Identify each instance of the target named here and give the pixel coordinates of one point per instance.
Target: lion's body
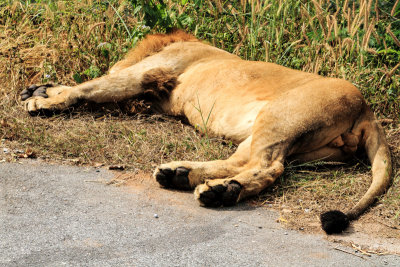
(272, 112)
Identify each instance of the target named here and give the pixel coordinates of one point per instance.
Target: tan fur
(272, 112)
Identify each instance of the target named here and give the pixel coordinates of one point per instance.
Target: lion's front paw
(35, 98)
(35, 90)
(46, 99)
(173, 178)
(218, 193)
(34, 105)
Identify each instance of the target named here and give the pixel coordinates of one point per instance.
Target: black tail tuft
(334, 221)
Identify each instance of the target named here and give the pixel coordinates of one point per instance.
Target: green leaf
(77, 78)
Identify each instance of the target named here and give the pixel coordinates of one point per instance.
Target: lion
(272, 112)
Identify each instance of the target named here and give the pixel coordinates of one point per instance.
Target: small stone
(5, 150)
(307, 210)
(285, 233)
(155, 215)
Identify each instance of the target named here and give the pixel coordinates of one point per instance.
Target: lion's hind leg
(227, 192)
(187, 175)
(248, 171)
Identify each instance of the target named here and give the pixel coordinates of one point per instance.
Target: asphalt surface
(54, 215)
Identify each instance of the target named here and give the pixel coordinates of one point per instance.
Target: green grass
(69, 42)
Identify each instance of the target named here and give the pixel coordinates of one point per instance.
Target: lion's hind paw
(169, 178)
(225, 194)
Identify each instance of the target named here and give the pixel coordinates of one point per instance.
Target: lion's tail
(374, 142)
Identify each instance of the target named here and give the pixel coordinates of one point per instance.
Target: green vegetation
(69, 42)
(355, 40)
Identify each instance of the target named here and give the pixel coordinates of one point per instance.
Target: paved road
(58, 215)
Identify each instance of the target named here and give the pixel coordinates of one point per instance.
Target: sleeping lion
(273, 113)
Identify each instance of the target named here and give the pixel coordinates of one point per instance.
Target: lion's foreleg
(110, 88)
(105, 89)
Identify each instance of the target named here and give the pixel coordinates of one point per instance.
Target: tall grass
(355, 40)
(71, 42)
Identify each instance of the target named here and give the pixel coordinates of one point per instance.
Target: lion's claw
(225, 194)
(173, 178)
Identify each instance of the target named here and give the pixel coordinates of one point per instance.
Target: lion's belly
(230, 117)
(236, 122)
(224, 97)
(232, 122)
(227, 110)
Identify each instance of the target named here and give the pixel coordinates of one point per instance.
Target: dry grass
(135, 142)
(70, 43)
